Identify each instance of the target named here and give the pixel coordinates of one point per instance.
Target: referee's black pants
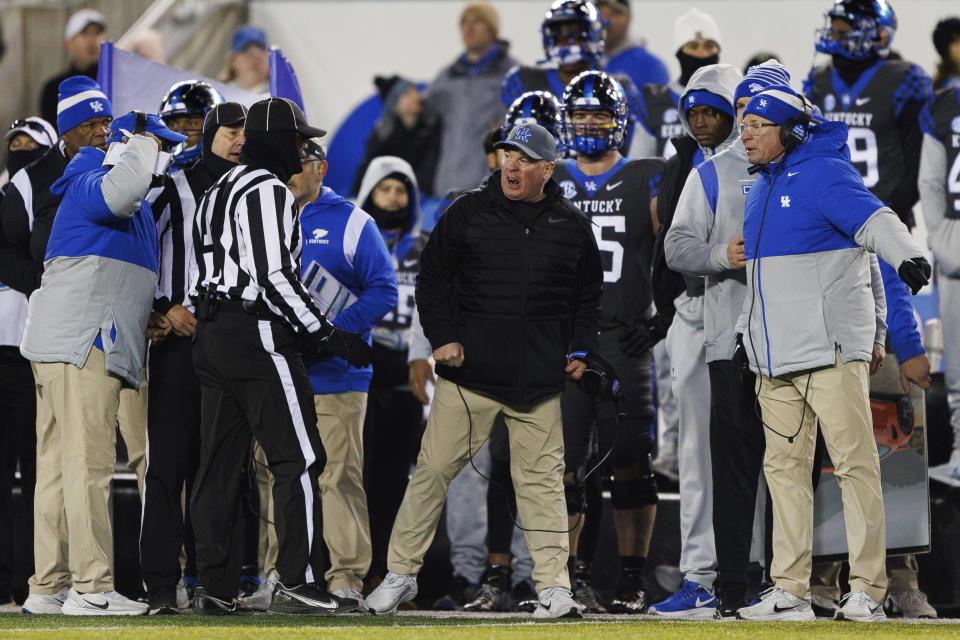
(736, 457)
(173, 454)
(254, 384)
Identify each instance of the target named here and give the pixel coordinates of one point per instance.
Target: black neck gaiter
(275, 151)
(689, 64)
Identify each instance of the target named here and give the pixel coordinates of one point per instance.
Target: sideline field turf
(449, 627)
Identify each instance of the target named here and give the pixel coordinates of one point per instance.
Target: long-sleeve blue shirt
(345, 241)
(901, 324)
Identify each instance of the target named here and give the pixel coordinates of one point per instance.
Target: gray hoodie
(721, 79)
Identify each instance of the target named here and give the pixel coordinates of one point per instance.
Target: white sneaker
(910, 604)
(777, 604)
(260, 599)
(352, 594)
(36, 603)
(859, 607)
(949, 472)
(105, 603)
(392, 592)
(183, 595)
(9, 607)
(557, 602)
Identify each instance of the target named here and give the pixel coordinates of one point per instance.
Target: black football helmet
(185, 98)
(594, 91)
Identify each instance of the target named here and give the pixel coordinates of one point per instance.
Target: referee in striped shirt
(254, 320)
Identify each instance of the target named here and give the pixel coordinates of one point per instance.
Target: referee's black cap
(225, 114)
(280, 114)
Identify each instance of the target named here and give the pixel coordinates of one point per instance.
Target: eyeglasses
(755, 127)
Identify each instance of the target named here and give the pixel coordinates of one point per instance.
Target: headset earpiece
(794, 130)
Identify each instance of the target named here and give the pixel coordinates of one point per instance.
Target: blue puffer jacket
(808, 225)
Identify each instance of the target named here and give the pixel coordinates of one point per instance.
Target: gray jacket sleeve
(884, 234)
(943, 234)
(687, 244)
(879, 300)
(129, 180)
(419, 345)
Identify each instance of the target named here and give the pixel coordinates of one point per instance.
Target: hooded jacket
(517, 284)
(722, 80)
(343, 247)
(101, 265)
(709, 216)
(391, 336)
(808, 225)
(467, 97)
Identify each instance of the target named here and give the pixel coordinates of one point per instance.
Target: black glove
(331, 341)
(741, 364)
(916, 273)
(641, 337)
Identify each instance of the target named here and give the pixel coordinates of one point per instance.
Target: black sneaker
(309, 598)
(630, 596)
(163, 601)
(460, 593)
(584, 593)
(494, 593)
(525, 597)
(205, 604)
(730, 599)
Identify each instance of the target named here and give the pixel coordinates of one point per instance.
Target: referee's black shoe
(205, 604)
(309, 598)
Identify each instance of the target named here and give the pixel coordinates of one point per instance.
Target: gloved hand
(331, 341)
(915, 272)
(741, 364)
(642, 336)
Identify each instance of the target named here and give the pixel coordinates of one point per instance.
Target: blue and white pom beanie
(80, 99)
(761, 76)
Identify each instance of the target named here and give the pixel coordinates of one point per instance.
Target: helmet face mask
(190, 97)
(872, 25)
(573, 31)
(594, 91)
(534, 107)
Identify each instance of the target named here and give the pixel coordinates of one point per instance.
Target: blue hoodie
(344, 240)
(808, 225)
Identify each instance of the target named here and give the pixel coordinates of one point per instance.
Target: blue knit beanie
(80, 99)
(761, 76)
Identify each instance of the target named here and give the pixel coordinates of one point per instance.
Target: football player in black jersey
(614, 192)
(573, 40)
(878, 98)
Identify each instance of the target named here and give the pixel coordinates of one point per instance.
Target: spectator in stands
(27, 140)
(946, 40)
(83, 35)
(466, 95)
(625, 55)
(407, 129)
(248, 63)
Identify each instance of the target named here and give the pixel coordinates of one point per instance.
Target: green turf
(454, 628)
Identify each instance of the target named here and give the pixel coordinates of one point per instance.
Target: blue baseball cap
(245, 35)
(128, 121)
(777, 103)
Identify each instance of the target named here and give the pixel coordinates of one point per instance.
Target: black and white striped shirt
(247, 245)
(174, 210)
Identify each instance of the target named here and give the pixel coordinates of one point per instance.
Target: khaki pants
(76, 452)
(839, 397)
(346, 525)
(901, 571)
(536, 463)
(267, 545)
(132, 420)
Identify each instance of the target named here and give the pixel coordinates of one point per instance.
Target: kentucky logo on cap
(755, 87)
(763, 103)
(522, 134)
(692, 99)
(97, 106)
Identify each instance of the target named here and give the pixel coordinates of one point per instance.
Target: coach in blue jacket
(86, 339)
(347, 268)
(808, 327)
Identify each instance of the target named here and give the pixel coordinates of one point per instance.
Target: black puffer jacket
(517, 284)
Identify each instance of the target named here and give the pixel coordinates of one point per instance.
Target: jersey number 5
(619, 225)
